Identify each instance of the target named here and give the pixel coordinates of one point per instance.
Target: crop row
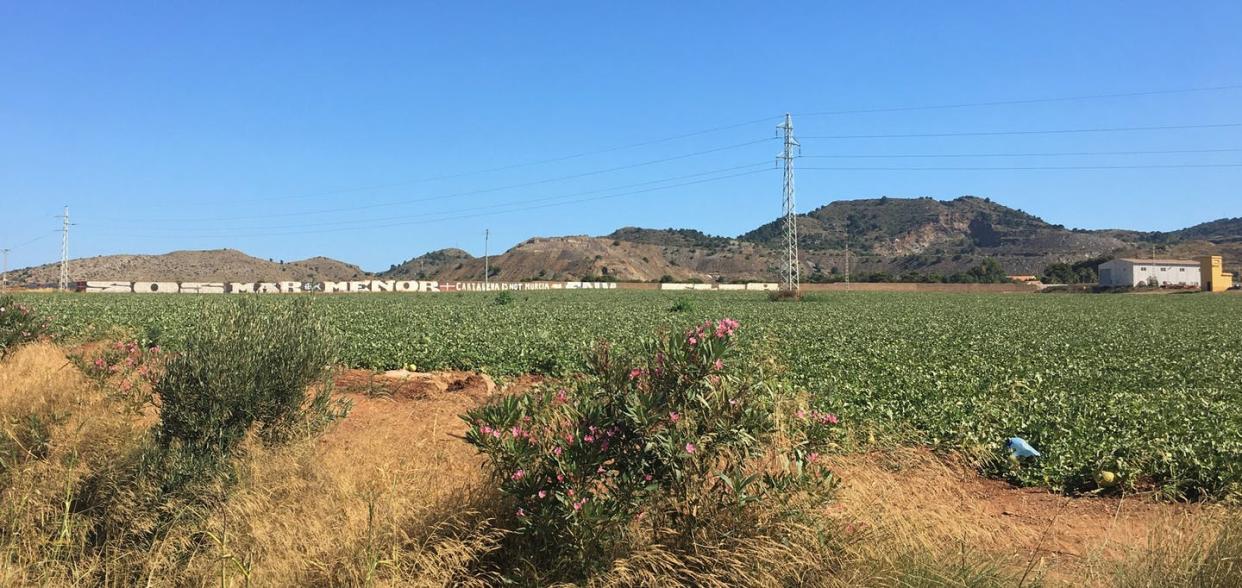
(1149, 387)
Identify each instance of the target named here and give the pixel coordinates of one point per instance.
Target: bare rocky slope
(192, 266)
(897, 236)
(891, 235)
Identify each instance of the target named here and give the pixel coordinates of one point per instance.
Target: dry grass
(57, 428)
(390, 496)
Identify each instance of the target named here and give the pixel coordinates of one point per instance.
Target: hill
(894, 236)
(192, 266)
(887, 238)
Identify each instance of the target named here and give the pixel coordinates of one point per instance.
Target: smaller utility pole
(486, 265)
(4, 270)
(847, 257)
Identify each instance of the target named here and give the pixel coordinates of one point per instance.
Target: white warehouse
(1142, 272)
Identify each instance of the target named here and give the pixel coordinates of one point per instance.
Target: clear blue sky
(296, 129)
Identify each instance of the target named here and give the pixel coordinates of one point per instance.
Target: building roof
(1160, 261)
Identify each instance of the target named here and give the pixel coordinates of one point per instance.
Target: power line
(364, 222)
(463, 216)
(1039, 132)
(1023, 101)
(408, 201)
(550, 160)
(1033, 154)
(1032, 167)
(34, 240)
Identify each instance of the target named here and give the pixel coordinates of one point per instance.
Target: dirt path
(919, 498)
(910, 496)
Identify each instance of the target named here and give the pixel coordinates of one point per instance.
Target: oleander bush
(18, 324)
(684, 440)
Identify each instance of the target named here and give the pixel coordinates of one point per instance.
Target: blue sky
(367, 132)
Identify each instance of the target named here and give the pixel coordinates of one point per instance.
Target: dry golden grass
(390, 496)
(57, 428)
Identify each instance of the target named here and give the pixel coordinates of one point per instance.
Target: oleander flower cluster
(685, 426)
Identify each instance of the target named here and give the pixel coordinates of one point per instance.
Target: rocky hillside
(192, 266)
(893, 235)
(574, 258)
(898, 236)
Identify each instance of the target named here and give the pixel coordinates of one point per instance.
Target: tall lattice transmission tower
(64, 250)
(790, 273)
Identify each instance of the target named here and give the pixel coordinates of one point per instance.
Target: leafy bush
(18, 324)
(504, 297)
(684, 436)
(246, 366)
(681, 305)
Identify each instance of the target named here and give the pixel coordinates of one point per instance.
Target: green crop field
(1146, 386)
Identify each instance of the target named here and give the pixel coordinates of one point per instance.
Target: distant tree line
(989, 271)
(1080, 272)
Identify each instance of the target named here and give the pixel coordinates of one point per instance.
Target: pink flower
(543, 494)
(521, 513)
(588, 438)
(561, 396)
(518, 475)
(813, 457)
(646, 477)
(578, 504)
(690, 448)
(673, 416)
(800, 414)
(561, 478)
(557, 450)
(126, 385)
(718, 365)
(99, 362)
(693, 341)
(636, 373)
(569, 492)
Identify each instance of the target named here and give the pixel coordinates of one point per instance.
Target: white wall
(1128, 273)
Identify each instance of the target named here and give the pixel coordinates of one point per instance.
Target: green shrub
(18, 325)
(682, 305)
(246, 366)
(682, 436)
(245, 369)
(504, 297)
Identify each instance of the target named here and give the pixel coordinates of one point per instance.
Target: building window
(1182, 269)
(1142, 269)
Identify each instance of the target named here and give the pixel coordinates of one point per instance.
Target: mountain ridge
(895, 237)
